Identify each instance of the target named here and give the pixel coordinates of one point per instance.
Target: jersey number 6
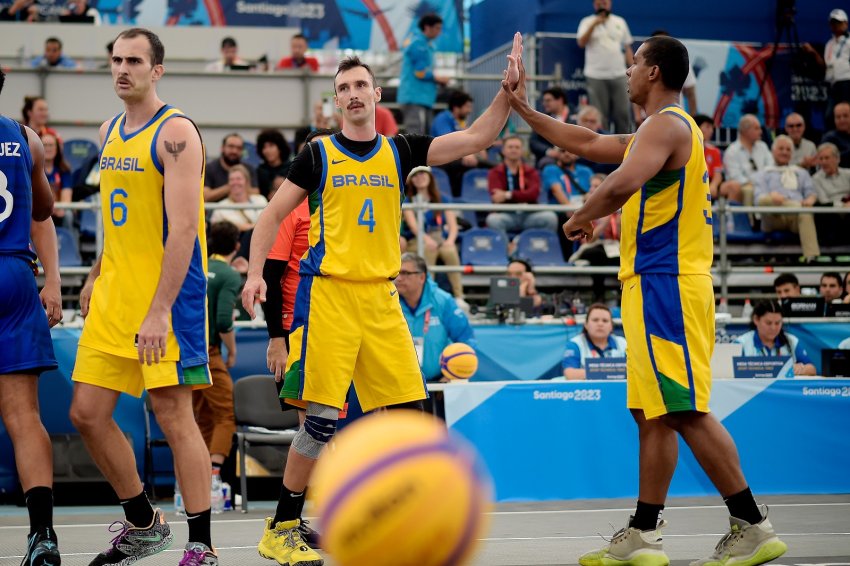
(117, 209)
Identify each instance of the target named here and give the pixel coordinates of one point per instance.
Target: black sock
(301, 503)
(40, 506)
(289, 505)
(742, 505)
(646, 516)
(199, 527)
(138, 510)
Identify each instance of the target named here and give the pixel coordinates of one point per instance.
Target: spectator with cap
(298, 58)
(787, 286)
(805, 151)
(417, 89)
(832, 184)
(713, 156)
(53, 57)
(229, 58)
(743, 159)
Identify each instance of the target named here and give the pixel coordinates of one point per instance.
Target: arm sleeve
(531, 192)
(226, 302)
(412, 151)
(457, 325)
(572, 357)
(627, 34)
(494, 179)
(306, 170)
(760, 187)
(273, 273)
(800, 354)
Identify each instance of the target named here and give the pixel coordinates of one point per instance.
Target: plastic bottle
(226, 495)
(179, 508)
(748, 310)
(216, 496)
(578, 305)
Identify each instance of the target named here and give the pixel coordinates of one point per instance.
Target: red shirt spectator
(713, 159)
(297, 56)
(522, 185)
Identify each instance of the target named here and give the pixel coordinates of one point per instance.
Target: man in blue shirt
(417, 90)
(565, 180)
(434, 319)
(454, 118)
(53, 57)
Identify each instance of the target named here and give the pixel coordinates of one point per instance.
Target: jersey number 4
(8, 198)
(367, 215)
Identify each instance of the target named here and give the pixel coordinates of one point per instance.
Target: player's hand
(516, 92)
(575, 231)
(152, 337)
(231, 359)
(254, 289)
(276, 357)
(512, 72)
(51, 299)
(85, 297)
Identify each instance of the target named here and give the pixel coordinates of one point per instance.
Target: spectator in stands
(784, 184)
(589, 117)
(608, 52)
(566, 181)
(521, 269)
(35, 114)
(745, 157)
(832, 184)
(433, 316)
(59, 176)
(554, 101)
(805, 151)
(603, 248)
(452, 120)
(846, 288)
(216, 179)
(229, 58)
(417, 89)
(440, 230)
(768, 339)
(53, 57)
(274, 153)
(831, 286)
(787, 286)
(840, 136)
(298, 56)
(514, 181)
(713, 157)
(596, 340)
(239, 192)
(213, 406)
(836, 61)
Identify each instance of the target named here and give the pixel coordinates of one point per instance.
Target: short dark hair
(350, 63)
(320, 132)
(417, 259)
(223, 238)
(271, 135)
(228, 42)
(231, 135)
(54, 39)
(2, 79)
(784, 279)
(556, 92)
(157, 48)
(299, 36)
(671, 56)
(701, 119)
(524, 262)
(458, 98)
(429, 20)
(833, 275)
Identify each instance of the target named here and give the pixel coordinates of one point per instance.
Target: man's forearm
(488, 126)
(229, 341)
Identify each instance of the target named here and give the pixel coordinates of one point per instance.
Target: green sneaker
(746, 544)
(630, 547)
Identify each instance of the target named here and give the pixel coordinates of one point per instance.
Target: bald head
(749, 128)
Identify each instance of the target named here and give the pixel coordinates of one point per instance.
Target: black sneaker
(133, 543)
(310, 536)
(42, 549)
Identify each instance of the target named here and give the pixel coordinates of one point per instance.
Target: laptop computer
(835, 363)
(722, 366)
(504, 291)
(838, 309)
(803, 306)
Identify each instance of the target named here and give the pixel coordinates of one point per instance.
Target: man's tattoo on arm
(624, 139)
(175, 148)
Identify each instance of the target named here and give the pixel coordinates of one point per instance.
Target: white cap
(420, 169)
(838, 14)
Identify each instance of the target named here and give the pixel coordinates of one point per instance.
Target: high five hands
(514, 81)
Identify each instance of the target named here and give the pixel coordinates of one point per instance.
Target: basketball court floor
(816, 528)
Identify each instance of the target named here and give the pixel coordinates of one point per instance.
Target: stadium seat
(539, 247)
(250, 156)
(69, 249)
(738, 228)
(443, 183)
(474, 187)
(77, 153)
(483, 246)
(88, 219)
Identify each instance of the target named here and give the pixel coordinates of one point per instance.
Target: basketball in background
(397, 489)
(458, 361)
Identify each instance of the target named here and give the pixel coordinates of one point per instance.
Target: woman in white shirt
(239, 181)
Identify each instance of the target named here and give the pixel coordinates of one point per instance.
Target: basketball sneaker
(310, 536)
(42, 549)
(283, 543)
(134, 543)
(630, 547)
(746, 544)
(198, 554)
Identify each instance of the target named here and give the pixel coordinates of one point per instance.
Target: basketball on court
(396, 488)
(458, 361)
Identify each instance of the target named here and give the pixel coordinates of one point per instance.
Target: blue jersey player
(25, 196)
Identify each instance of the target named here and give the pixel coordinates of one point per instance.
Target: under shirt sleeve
(306, 169)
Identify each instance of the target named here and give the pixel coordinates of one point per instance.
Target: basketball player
(666, 252)
(348, 322)
(145, 303)
(25, 197)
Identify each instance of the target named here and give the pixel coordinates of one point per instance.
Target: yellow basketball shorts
(127, 375)
(669, 325)
(344, 331)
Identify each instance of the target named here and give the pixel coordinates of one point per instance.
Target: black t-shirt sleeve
(306, 169)
(412, 151)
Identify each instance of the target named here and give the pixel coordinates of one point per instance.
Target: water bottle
(578, 305)
(747, 313)
(179, 507)
(216, 498)
(226, 496)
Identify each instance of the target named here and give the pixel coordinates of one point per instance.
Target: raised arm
(486, 128)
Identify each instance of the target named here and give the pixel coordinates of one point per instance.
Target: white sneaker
(746, 544)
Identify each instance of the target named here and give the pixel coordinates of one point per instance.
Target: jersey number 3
(367, 215)
(8, 199)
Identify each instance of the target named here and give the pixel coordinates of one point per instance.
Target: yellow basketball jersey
(135, 228)
(666, 225)
(355, 214)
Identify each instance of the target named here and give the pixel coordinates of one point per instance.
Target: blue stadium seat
(250, 156)
(69, 249)
(483, 246)
(88, 219)
(738, 228)
(443, 183)
(494, 154)
(77, 153)
(540, 247)
(474, 187)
